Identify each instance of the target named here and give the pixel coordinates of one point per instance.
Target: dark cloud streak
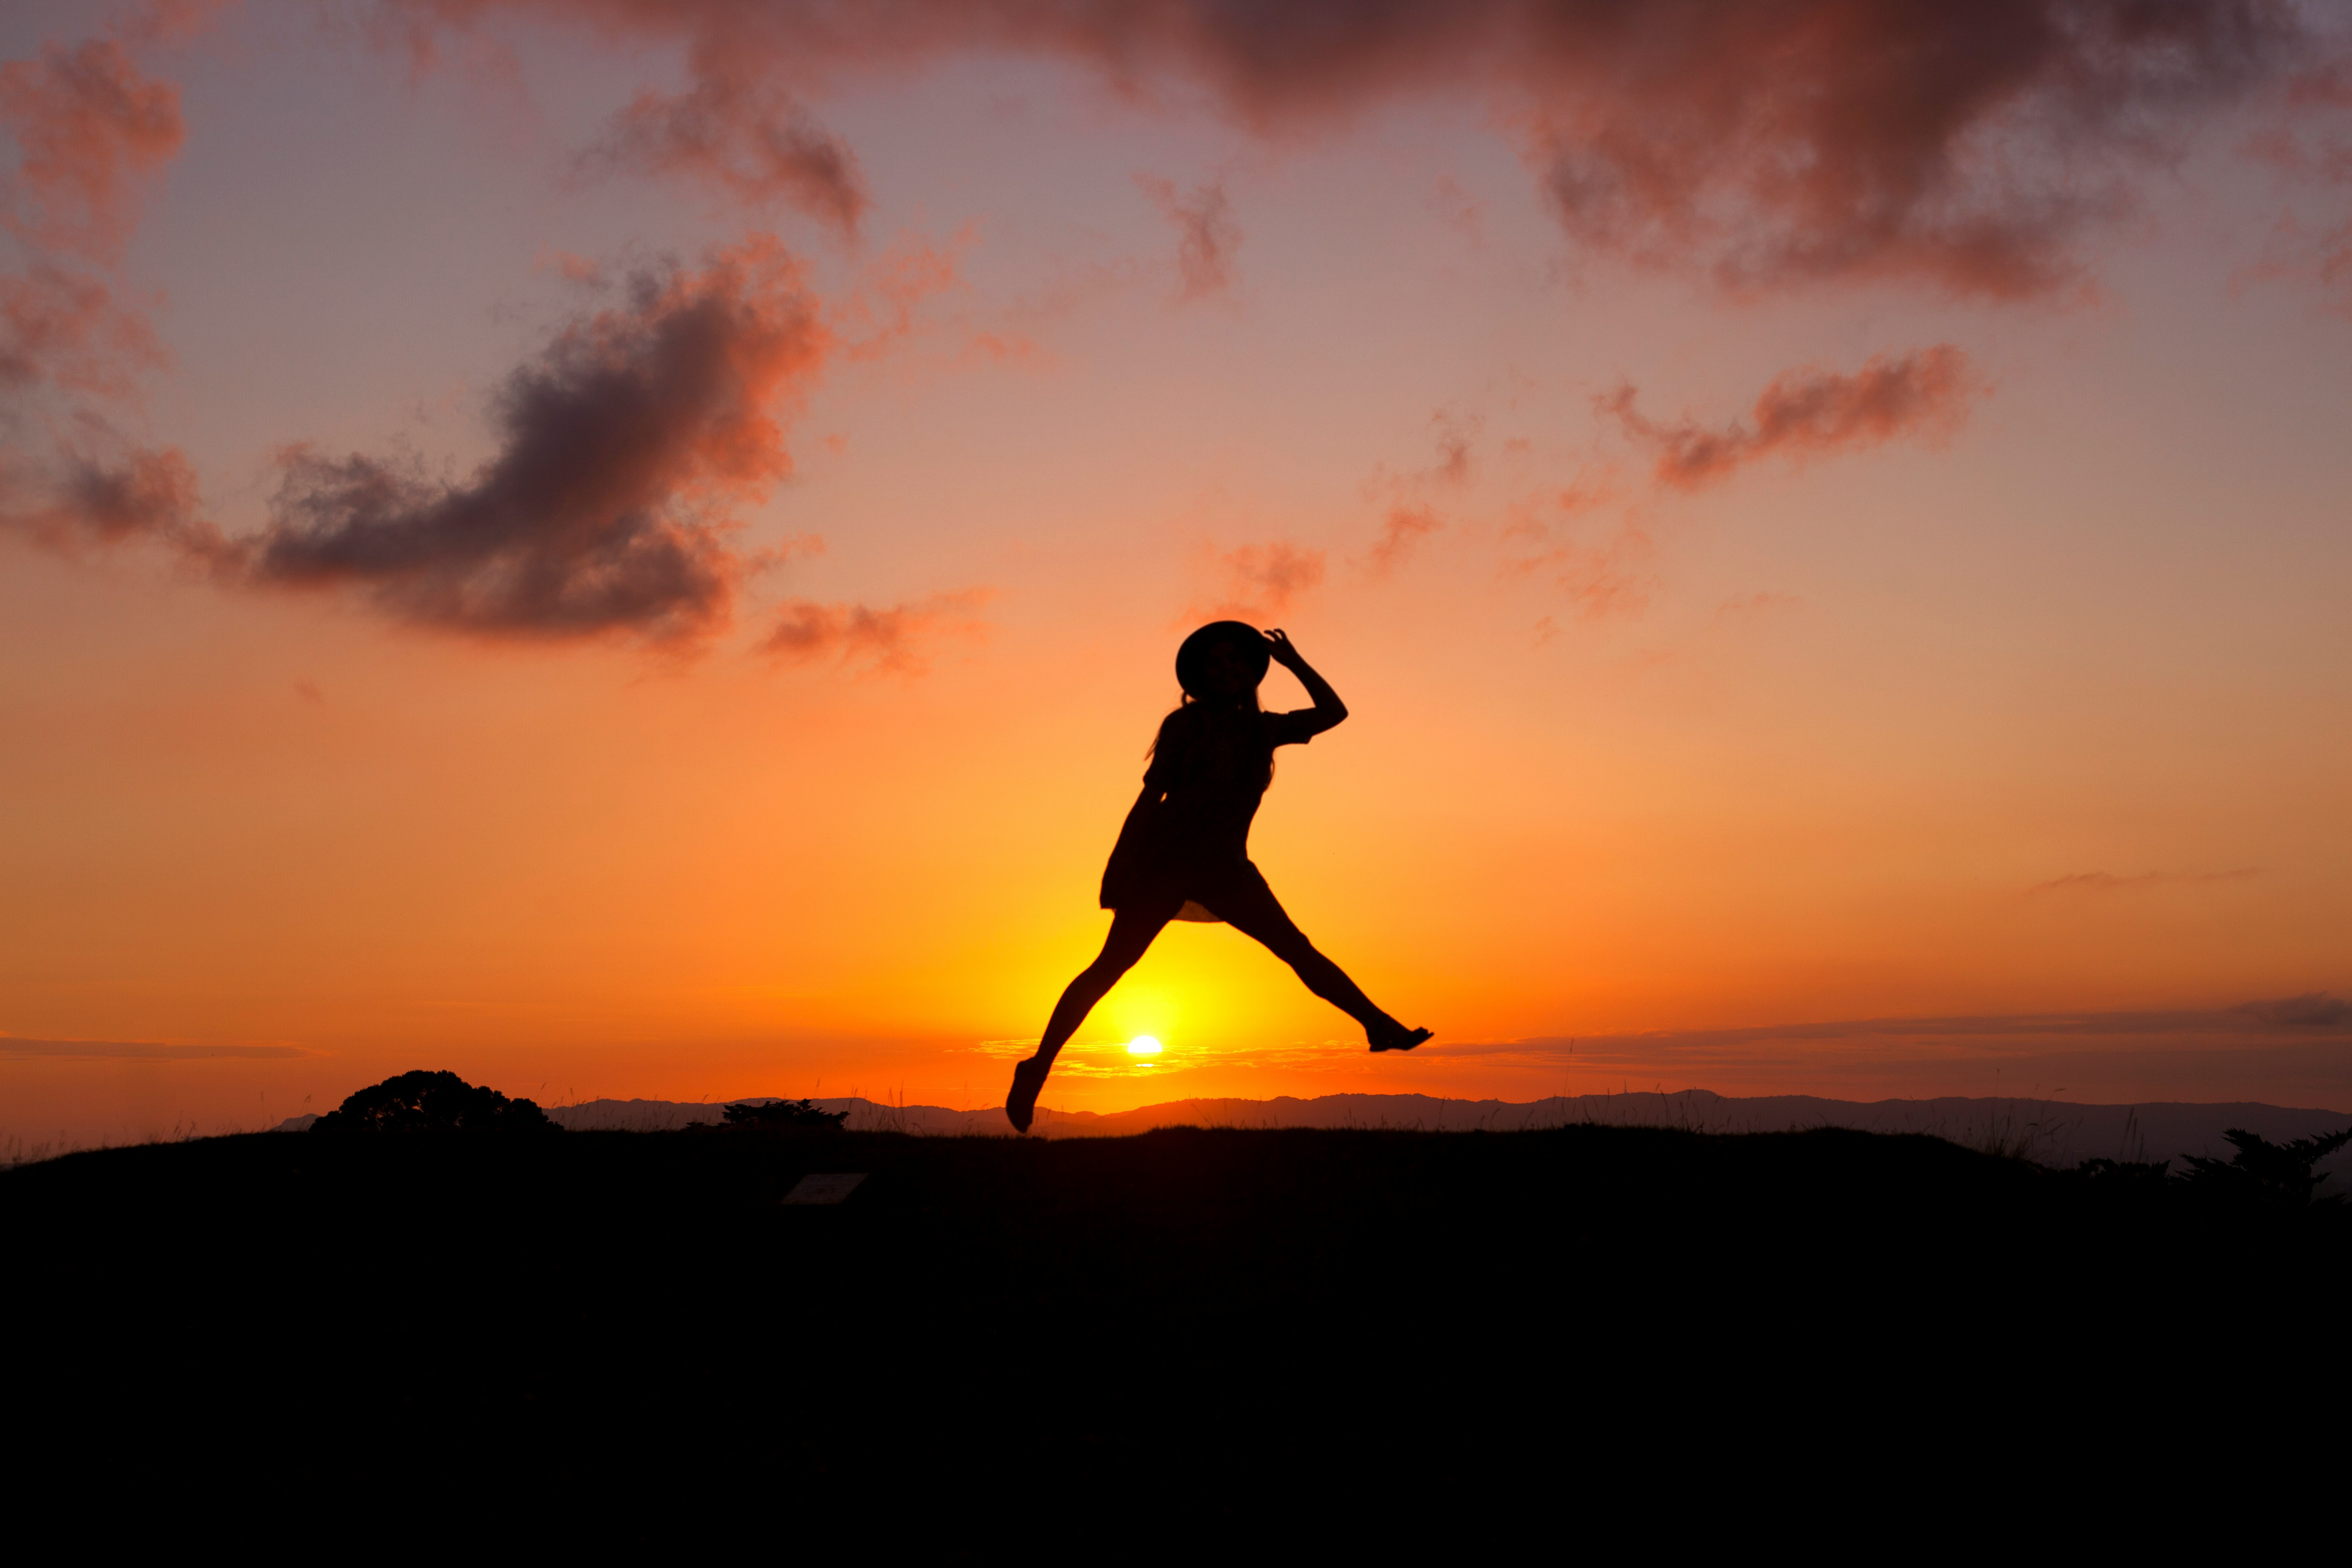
(2311, 1013)
(1771, 144)
(624, 450)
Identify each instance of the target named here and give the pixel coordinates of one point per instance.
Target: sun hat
(1192, 657)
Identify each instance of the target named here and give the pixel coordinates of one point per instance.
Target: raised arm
(1329, 709)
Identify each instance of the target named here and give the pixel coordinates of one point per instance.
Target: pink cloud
(898, 640)
(1600, 579)
(1259, 582)
(571, 269)
(77, 503)
(1401, 534)
(88, 126)
(743, 138)
(1206, 234)
(65, 329)
(1808, 412)
(879, 313)
(1454, 436)
(88, 129)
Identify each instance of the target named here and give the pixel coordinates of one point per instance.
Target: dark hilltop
(1285, 1336)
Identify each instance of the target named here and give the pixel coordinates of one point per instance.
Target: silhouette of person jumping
(1183, 853)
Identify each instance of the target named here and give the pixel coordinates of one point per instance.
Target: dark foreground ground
(623, 1339)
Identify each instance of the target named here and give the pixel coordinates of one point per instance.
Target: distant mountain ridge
(2056, 1133)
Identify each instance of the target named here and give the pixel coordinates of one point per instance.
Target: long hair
(1191, 709)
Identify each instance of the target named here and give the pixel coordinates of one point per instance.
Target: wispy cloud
(1207, 234)
(90, 130)
(1257, 583)
(1401, 534)
(898, 640)
(1802, 413)
(1456, 435)
(1601, 576)
(83, 503)
(90, 127)
(737, 128)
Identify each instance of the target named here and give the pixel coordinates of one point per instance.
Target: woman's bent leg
(1250, 908)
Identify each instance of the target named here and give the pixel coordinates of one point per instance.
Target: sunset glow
(635, 550)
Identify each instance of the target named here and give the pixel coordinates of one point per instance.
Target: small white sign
(824, 1189)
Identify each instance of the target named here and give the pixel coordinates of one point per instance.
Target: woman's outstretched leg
(1254, 912)
(1131, 931)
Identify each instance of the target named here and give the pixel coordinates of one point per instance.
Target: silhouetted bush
(433, 1102)
(799, 1115)
(2267, 1173)
(2149, 1174)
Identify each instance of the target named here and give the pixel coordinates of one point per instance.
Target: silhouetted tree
(433, 1102)
(802, 1115)
(2265, 1171)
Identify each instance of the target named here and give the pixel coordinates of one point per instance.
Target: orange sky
(496, 571)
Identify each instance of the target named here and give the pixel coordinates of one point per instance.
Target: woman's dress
(1212, 766)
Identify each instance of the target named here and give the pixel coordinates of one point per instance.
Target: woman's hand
(1329, 709)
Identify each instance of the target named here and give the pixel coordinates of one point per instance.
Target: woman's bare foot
(1398, 1039)
(1021, 1105)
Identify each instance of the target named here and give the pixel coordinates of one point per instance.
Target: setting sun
(1143, 1046)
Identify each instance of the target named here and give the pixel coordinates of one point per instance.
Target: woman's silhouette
(1183, 853)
